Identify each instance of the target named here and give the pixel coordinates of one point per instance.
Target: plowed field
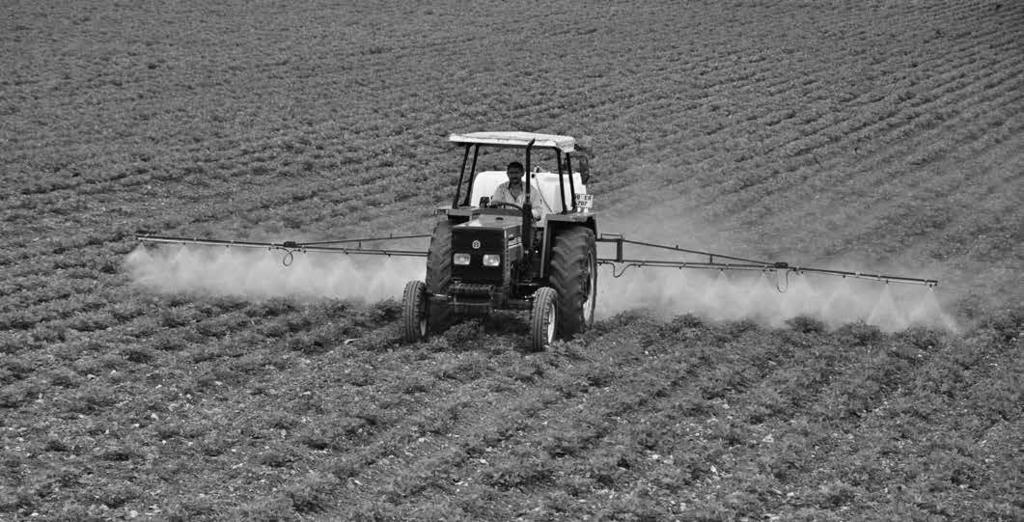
(875, 135)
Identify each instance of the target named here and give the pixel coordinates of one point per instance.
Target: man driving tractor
(512, 191)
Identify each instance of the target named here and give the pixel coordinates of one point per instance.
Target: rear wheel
(573, 275)
(543, 319)
(439, 276)
(414, 312)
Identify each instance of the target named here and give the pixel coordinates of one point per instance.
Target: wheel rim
(549, 321)
(423, 315)
(590, 290)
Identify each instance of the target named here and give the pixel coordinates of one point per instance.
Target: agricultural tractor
(540, 255)
(487, 255)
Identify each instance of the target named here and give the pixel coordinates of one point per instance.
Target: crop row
(713, 418)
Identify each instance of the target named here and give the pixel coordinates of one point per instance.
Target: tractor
(486, 256)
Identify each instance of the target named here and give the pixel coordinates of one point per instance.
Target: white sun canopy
(516, 139)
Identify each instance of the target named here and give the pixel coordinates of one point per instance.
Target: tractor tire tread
(439, 276)
(542, 298)
(413, 300)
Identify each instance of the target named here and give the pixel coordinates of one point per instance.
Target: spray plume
(260, 274)
(770, 297)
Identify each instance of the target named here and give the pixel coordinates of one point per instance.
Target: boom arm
(290, 247)
(620, 263)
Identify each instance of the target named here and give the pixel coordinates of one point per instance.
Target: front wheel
(414, 312)
(543, 319)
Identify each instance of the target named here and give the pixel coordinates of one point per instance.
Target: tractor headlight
(460, 259)
(492, 259)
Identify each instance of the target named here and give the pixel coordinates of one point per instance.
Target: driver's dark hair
(515, 165)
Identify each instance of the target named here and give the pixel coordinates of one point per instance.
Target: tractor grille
(476, 242)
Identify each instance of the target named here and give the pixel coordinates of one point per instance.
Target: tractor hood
(487, 232)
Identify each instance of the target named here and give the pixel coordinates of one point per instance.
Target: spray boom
(620, 263)
(290, 247)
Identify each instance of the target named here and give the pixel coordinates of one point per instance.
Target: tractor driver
(513, 191)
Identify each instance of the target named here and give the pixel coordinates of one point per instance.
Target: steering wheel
(496, 204)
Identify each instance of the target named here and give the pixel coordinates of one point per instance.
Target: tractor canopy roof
(516, 139)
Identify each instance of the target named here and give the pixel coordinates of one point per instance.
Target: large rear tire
(573, 275)
(544, 319)
(439, 276)
(414, 312)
